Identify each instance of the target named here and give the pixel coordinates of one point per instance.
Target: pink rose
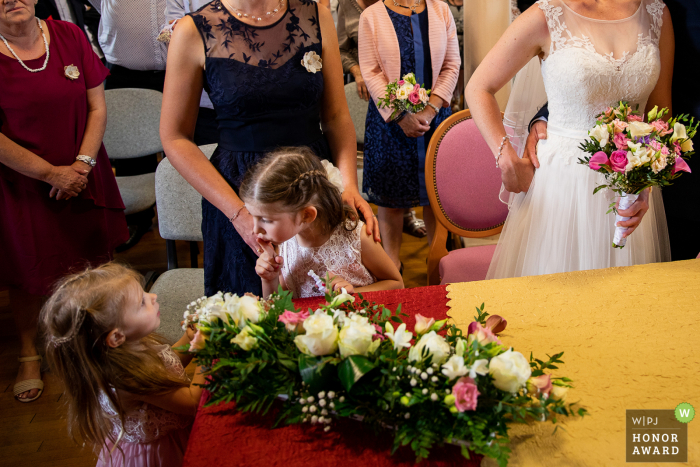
(680, 165)
(481, 334)
(293, 321)
(198, 341)
(392, 97)
(655, 145)
(414, 97)
(620, 140)
(634, 118)
(540, 385)
(416, 87)
(618, 160)
(466, 394)
(379, 334)
(661, 127)
(619, 125)
(665, 151)
(401, 82)
(597, 160)
(496, 324)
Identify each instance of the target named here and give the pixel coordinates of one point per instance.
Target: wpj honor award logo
(658, 435)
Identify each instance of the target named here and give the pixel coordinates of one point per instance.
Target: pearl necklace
(46, 45)
(268, 14)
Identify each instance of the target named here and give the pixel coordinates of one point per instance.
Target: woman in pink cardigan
(397, 37)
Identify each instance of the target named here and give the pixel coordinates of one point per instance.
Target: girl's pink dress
(152, 437)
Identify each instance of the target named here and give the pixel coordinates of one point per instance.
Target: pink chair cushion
(466, 264)
(467, 179)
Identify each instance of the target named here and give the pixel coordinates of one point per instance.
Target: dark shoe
(414, 226)
(135, 234)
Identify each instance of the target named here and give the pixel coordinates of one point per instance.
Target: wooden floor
(34, 434)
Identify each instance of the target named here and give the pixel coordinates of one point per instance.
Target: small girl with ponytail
(126, 389)
(304, 230)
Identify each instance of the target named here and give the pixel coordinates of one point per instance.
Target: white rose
(249, 309)
(356, 336)
(510, 371)
(454, 367)
(437, 347)
(679, 133)
(71, 71)
(639, 129)
(402, 93)
(659, 164)
(321, 336)
(423, 94)
(600, 133)
(312, 62)
(333, 174)
(245, 339)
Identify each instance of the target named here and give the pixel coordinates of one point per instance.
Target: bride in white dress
(593, 53)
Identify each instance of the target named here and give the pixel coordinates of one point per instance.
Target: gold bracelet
(236, 214)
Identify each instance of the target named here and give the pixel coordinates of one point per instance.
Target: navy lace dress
(264, 98)
(394, 175)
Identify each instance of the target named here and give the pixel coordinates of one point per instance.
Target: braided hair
(294, 178)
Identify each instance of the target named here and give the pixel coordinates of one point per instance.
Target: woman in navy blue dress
(273, 72)
(394, 164)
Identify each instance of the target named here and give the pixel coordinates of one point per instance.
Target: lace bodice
(591, 64)
(341, 255)
(147, 422)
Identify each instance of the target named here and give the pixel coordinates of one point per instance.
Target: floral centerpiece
(351, 358)
(634, 155)
(404, 95)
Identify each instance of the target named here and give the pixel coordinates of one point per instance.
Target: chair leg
(436, 252)
(171, 251)
(194, 255)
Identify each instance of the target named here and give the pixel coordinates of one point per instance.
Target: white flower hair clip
(71, 71)
(333, 174)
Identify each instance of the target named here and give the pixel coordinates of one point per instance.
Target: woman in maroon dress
(60, 207)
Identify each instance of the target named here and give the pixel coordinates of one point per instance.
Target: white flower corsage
(333, 174)
(312, 62)
(71, 71)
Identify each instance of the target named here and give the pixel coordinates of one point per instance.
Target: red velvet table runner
(221, 436)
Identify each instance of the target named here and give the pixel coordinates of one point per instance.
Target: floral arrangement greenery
(356, 359)
(634, 155)
(404, 95)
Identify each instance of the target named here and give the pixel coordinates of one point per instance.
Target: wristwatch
(87, 159)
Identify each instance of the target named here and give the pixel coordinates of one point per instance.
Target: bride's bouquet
(404, 95)
(634, 155)
(353, 359)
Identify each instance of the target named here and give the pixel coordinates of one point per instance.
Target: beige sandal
(28, 384)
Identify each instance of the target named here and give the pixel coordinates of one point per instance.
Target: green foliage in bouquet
(356, 359)
(404, 95)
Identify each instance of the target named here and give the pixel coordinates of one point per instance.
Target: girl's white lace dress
(341, 256)
(558, 225)
(152, 436)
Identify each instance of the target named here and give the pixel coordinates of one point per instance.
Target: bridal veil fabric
(558, 225)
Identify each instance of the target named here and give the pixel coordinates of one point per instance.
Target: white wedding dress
(558, 225)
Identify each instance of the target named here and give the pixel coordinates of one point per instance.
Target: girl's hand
(338, 283)
(351, 197)
(268, 264)
(635, 213)
(244, 226)
(413, 126)
(67, 180)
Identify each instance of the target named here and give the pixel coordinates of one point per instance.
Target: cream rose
(601, 134)
(639, 129)
(437, 347)
(249, 309)
(423, 94)
(245, 339)
(403, 92)
(321, 336)
(312, 62)
(71, 71)
(356, 336)
(510, 371)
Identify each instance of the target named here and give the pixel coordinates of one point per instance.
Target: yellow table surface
(631, 340)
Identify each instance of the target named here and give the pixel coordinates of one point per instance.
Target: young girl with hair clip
(126, 388)
(302, 226)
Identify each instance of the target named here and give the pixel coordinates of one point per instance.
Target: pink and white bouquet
(634, 155)
(405, 95)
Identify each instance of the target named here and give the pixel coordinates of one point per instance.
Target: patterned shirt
(128, 32)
